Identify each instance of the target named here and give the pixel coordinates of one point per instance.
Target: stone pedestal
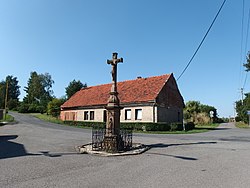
(112, 139)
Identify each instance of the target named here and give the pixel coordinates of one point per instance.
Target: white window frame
(90, 115)
(138, 114)
(86, 115)
(128, 114)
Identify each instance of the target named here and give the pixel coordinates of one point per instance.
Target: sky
(72, 39)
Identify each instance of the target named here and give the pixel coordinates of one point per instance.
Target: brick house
(153, 99)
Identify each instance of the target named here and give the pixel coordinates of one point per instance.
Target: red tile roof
(131, 91)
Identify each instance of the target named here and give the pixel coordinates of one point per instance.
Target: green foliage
(13, 92)
(13, 104)
(85, 124)
(157, 127)
(54, 106)
(73, 87)
(176, 127)
(38, 93)
(23, 108)
(242, 125)
(189, 126)
(9, 118)
(151, 127)
(242, 107)
(247, 65)
(196, 112)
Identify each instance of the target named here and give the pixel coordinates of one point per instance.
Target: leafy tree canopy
(196, 112)
(247, 65)
(13, 92)
(38, 92)
(54, 106)
(242, 107)
(73, 87)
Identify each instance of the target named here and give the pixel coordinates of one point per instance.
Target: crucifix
(114, 61)
(112, 138)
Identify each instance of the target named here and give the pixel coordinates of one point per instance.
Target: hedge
(138, 126)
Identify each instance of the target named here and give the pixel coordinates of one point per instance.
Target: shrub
(189, 126)
(85, 124)
(157, 127)
(176, 127)
(23, 108)
(202, 118)
(137, 126)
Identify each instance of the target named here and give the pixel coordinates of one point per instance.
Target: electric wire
(248, 23)
(202, 41)
(241, 43)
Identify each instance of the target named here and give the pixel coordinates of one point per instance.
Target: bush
(176, 127)
(238, 119)
(157, 127)
(134, 126)
(23, 108)
(189, 126)
(85, 124)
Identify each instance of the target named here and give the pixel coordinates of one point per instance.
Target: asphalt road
(34, 153)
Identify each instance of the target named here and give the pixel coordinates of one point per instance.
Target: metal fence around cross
(98, 134)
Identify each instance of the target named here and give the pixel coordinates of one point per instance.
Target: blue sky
(71, 39)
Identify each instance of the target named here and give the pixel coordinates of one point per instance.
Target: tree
(39, 93)
(73, 87)
(54, 106)
(196, 112)
(247, 65)
(242, 107)
(13, 92)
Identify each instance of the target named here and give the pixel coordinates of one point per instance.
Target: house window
(138, 114)
(86, 115)
(104, 116)
(128, 114)
(92, 115)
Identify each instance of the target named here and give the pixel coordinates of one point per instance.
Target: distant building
(154, 99)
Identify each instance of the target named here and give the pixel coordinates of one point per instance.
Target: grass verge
(242, 125)
(47, 118)
(9, 118)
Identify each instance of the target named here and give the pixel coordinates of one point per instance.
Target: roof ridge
(127, 80)
(147, 77)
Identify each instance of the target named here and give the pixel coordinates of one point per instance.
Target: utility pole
(241, 90)
(6, 99)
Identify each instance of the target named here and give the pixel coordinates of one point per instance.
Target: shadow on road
(9, 149)
(175, 156)
(48, 154)
(161, 145)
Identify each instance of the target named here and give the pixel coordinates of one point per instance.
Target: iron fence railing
(98, 135)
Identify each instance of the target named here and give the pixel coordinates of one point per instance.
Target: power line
(241, 43)
(248, 23)
(202, 41)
